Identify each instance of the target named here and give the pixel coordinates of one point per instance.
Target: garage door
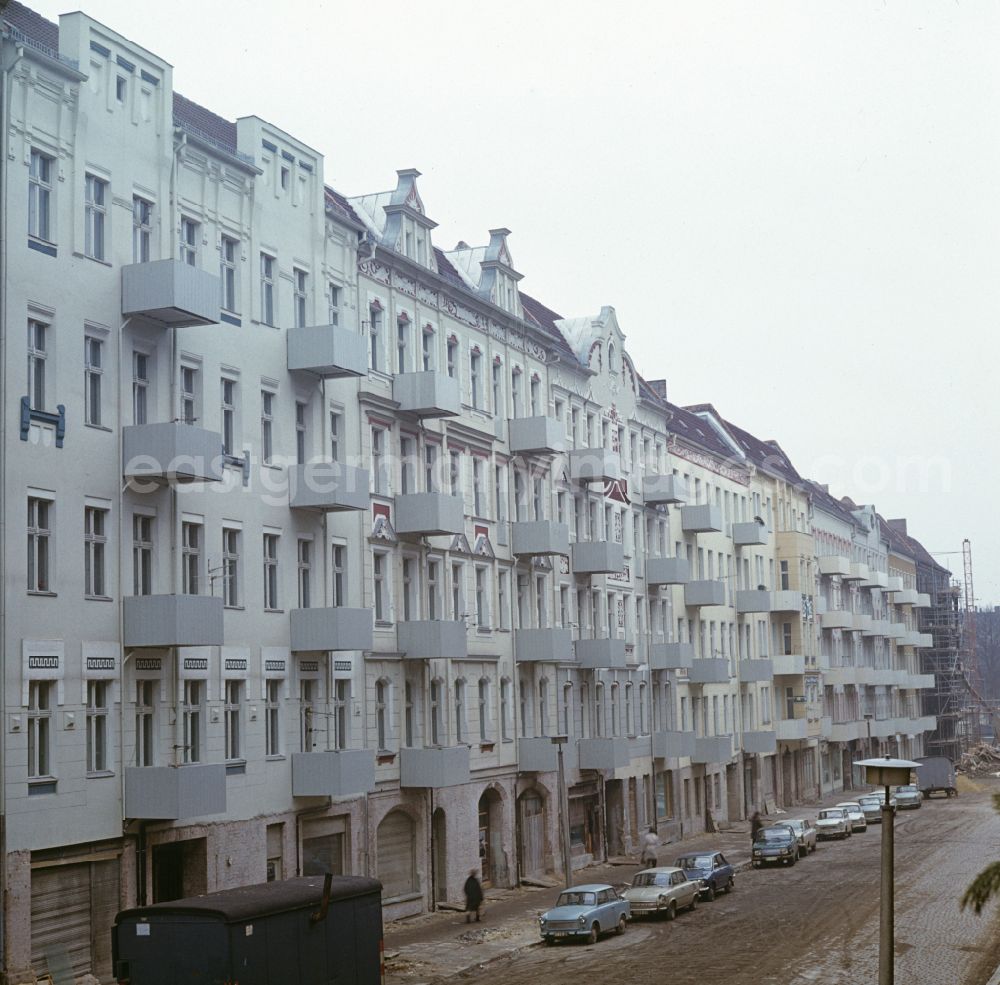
(397, 868)
(72, 909)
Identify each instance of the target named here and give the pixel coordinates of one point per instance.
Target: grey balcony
(753, 600)
(171, 452)
(713, 749)
(758, 741)
(330, 628)
(330, 487)
(172, 620)
(671, 656)
(537, 436)
(791, 729)
(673, 745)
(837, 619)
(894, 583)
(698, 593)
(539, 755)
(752, 534)
(756, 669)
(709, 670)
(660, 489)
(667, 571)
(172, 293)
(908, 596)
(539, 537)
(846, 731)
(864, 623)
(553, 645)
(834, 564)
(173, 793)
(788, 664)
(429, 514)
(434, 767)
(607, 753)
(593, 557)
(334, 773)
(327, 351)
(594, 465)
(923, 600)
(430, 639)
(786, 601)
(702, 518)
(858, 572)
(427, 394)
(601, 654)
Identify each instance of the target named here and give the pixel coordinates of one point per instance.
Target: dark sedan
(711, 869)
(777, 843)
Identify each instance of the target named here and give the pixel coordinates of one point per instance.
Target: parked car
(854, 814)
(871, 804)
(585, 911)
(663, 890)
(775, 843)
(805, 833)
(711, 869)
(936, 773)
(832, 822)
(908, 796)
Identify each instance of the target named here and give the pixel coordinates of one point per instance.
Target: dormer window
(408, 244)
(421, 251)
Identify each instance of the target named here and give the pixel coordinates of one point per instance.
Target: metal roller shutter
(397, 869)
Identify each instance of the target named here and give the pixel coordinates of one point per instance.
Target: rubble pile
(982, 759)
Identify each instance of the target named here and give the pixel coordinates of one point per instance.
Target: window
(476, 383)
(333, 304)
(484, 709)
(498, 407)
(39, 729)
(433, 588)
(402, 336)
(121, 88)
(191, 716)
(189, 242)
(380, 708)
(234, 739)
(478, 492)
(505, 709)
(301, 424)
(536, 397)
(95, 216)
(145, 728)
(37, 356)
(504, 599)
(97, 726)
(140, 387)
(39, 532)
(482, 598)
(266, 426)
(191, 558)
(305, 572)
(460, 732)
(228, 416)
(336, 421)
(452, 349)
(39, 196)
(427, 349)
(338, 553)
(267, 289)
(437, 732)
(515, 392)
(189, 376)
(228, 253)
(380, 588)
(142, 555)
(408, 713)
(430, 468)
(409, 589)
(271, 571)
(93, 352)
(375, 341)
(457, 598)
(543, 707)
(407, 465)
(231, 587)
(142, 229)
(307, 695)
(455, 470)
(272, 719)
(94, 550)
(380, 471)
(300, 280)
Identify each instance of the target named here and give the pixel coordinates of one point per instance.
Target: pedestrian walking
(473, 896)
(650, 842)
(755, 825)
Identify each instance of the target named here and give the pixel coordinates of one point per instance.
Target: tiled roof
(340, 205)
(447, 271)
(32, 25)
(545, 320)
(767, 455)
(187, 112)
(830, 504)
(898, 541)
(692, 428)
(922, 556)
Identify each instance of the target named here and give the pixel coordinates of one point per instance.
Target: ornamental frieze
(372, 268)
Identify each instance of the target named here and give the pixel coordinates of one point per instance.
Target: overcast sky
(793, 207)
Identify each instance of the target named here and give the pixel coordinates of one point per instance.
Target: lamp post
(887, 772)
(559, 741)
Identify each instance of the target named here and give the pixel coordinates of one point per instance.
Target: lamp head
(887, 772)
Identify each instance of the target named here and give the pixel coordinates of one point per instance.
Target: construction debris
(982, 759)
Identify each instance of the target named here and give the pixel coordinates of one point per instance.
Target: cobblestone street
(815, 922)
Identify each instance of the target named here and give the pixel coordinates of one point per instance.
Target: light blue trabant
(585, 911)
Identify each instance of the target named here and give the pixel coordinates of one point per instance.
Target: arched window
(585, 710)
(381, 713)
(523, 701)
(505, 709)
(615, 715)
(437, 720)
(543, 706)
(612, 365)
(629, 711)
(599, 710)
(643, 719)
(460, 733)
(484, 709)
(567, 709)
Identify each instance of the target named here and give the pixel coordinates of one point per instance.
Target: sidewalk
(442, 944)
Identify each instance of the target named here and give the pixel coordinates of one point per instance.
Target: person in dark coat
(755, 825)
(473, 896)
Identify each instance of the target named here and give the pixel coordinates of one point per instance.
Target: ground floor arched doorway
(531, 834)
(491, 857)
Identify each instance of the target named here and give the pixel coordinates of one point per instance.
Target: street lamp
(887, 772)
(559, 741)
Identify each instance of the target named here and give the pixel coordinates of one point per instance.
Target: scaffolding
(949, 701)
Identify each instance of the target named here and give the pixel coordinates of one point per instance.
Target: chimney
(898, 525)
(659, 387)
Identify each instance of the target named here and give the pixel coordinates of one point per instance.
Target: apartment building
(317, 533)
